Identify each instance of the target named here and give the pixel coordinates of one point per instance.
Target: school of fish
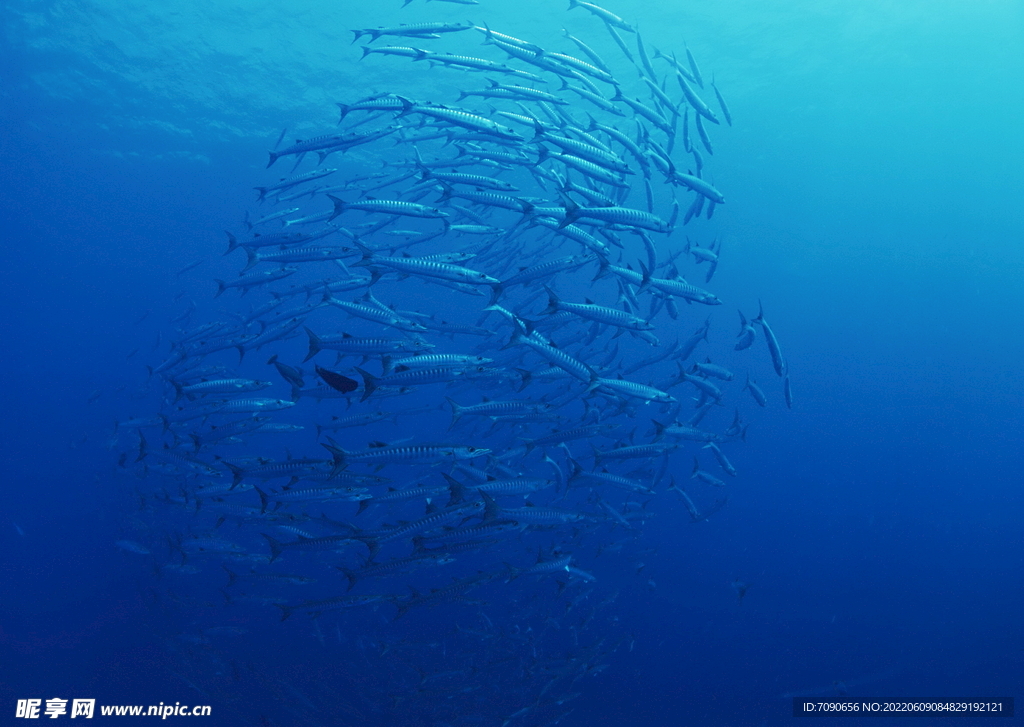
(464, 368)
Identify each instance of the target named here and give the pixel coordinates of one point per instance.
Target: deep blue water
(873, 179)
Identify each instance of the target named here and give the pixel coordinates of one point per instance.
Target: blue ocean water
(872, 180)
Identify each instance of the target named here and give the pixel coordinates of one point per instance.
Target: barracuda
(683, 289)
(587, 51)
(562, 360)
(455, 360)
(589, 168)
(411, 30)
(589, 152)
(709, 369)
(415, 454)
(696, 101)
(597, 313)
(412, 377)
(644, 110)
(605, 477)
(568, 435)
(755, 392)
(429, 268)
(386, 206)
(408, 493)
(461, 118)
(606, 15)
(253, 280)
(483, 508)
(329, 143)
(277, 470)
(723, 462)
(346, 343)
(488, 408)
(497, 90)
(631, 389)
(683, 432)
(514, 486)
(293, 181)
(773, 343)
(296, 255)
(316, 494)
(329, 604)
(635, 451)
(377, 314)
(615, 215)
(477, 180)
(395, 566)
(220, 386)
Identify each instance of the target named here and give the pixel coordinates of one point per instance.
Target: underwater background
(870, 547)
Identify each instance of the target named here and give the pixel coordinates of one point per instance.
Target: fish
(721, 103)
(607, 16)
(129, 546)
(253, 280)
(337, 381)
(755, 392)
(778, 362)
(411, 30)
(746, 335)
(288, 183)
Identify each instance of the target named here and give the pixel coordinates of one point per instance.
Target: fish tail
(286, 611)
(221, 287)
(251, 258)
(645, 282)
(314, 345)
(407, 105)
(263, 500)
(659, 429)
(232, 242)
(446, 193)
(350, 576)
(456, 411)
(237, 473)
(275, 549)
(369, 383)
(273, 158)
(142, 447)
(232, 576)
(553, 302)
(456, 490)
(491, 508)
(339, 206)
(339, 454)
(371, 545)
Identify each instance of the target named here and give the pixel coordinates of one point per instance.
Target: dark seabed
(550, 476)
